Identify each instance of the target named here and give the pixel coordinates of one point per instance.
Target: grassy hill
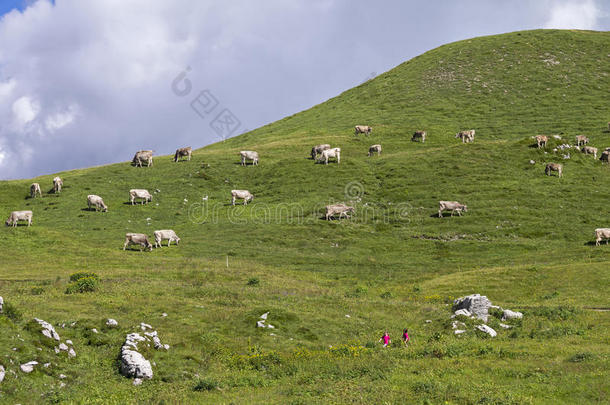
(525, 242)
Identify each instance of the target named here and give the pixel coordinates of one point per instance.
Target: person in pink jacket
(386, 339)
(405, 337)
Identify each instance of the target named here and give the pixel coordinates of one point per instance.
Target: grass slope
(525, 243)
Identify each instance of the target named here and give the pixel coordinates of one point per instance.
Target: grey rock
(71, 353)
(532, 162)
(505, 326)
(478, 305)
(62, 376)
(1, 304)
(2, 373)
(28, 367)
(487, 329)
(68, 341)
(47, 329)
(508, 314)
(428, 321)
(137, 381)
(46, 365)
(133, 364)
(145, 326)
(63, 346)
(463, 312)
(459, 331)
(94, 330)
(112, 323)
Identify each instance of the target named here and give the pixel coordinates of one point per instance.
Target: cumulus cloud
(575, 14)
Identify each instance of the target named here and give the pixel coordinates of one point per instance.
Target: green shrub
(82, 285)
(387, 295)
(83, 274)
(206, 384)
(254, 281)
(11, 312)
(580, 357)
(37, 290)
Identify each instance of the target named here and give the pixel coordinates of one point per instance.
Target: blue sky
(106, 78)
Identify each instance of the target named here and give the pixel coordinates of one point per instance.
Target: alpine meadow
(330, 289)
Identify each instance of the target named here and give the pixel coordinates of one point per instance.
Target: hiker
(405, 337)
(386, 339)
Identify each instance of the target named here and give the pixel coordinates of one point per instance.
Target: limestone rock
(28, 367)
(71, 353)
(47, 329)
(463, 312)
(459, 331)
(112, 323)
(63, 346)
(2, 373)
(487, 329)
(508, 314)
(133, 364)
(1, 304)
(478, 305)
(505, 326)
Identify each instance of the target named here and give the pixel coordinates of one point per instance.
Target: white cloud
(575, 14)
(60, 119)
(25, 109)
(6, 88)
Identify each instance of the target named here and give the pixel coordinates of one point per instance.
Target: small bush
(82, 285)
(254, 281)
(11, 312)
(387, 295)
(37, 291)
(206, 384)
(580, 357)
(83, 274)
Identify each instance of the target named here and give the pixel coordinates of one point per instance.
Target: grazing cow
(242, 195)
(57, 184)
(362, 129)
(602, 233)
(581, 140)
(19, 216)
(373, 149)
(340, 209)
(554, 167)
(35, 189)
(605, 157)
(541, 140)
(97, 202)
(590, 150)
(466, 136)
(609, 126)
(137, 239)
(139, 193)
(419, 135)
(318, 149)
(181, 152)
(143, 156)
(250, 155)
(168, 234)
(454, 206)
(331, 153)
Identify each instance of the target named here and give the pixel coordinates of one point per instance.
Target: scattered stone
(428, 321)
(264, 316)
(463, 312)
(46, 365)
(556, 137)
(487, 329)
(68, 341)
(137, 381)
(133, 364)
(478, 305)
(71, 353)
(56, 349)
(508, 314)
(457, 324)
(459, 331)
(532, 162)
(28, 367)
(112, 323)
(505, 326)
(145, 326)
(2, 373)
(63, 347)
(260, 324)
(94, 330)
(1, 304)
(347, 316)
(164, 314)
(62, 376)
(270, 326)
(62, 384)
(47, 329)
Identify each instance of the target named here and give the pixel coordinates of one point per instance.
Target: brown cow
(554, 167)
(541, 140)
(581, 140)
(419, 135)
(182, 152)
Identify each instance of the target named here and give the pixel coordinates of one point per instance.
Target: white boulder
(2, 373)
(487, 329)
(112, 323)
(1, 304)
(28, 367)
(478, 305)
(47, 329)
(508, 314)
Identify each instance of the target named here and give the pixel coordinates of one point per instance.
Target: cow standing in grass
(466, 136)
(165, 234)
(374, 149)
(541, 140)
(362, 129)
(590, 150)
(331, 153)
(35, 189)
(182, 152)
(605, 157)
(341, 209)
(554, 167)
(248, 155)
(97, 202)
(242, 195)
(139, 193)
(602, 233)
(581, 140)
(318, 149)
(419, 135)
(137, 239)
(454, 206)
(57, 184)
(142, 156)
(19, 216)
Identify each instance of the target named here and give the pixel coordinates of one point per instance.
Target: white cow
(602, 233)
(139, 193)
(164, 234)
(341, 209)
(143, 156)
(181, 152)
(362, 129)
(318, 149)
(242, 195)
(454, 206)
(97, 202)
(35, 189)
(19, 216)
(581, 140)
(590, 150)
(373, 149)
(57, 184)
(466, 136)
(137, 239)
(331, 153)
(250, 155)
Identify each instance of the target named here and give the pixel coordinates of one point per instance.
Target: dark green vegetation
(526, 242)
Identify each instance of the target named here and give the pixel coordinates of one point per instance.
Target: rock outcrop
(478, 305)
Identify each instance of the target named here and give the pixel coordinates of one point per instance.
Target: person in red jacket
(386, 339)
(405, 337)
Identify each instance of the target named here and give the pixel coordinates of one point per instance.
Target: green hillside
(526, 242)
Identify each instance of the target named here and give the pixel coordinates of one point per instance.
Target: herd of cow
(320, 153)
